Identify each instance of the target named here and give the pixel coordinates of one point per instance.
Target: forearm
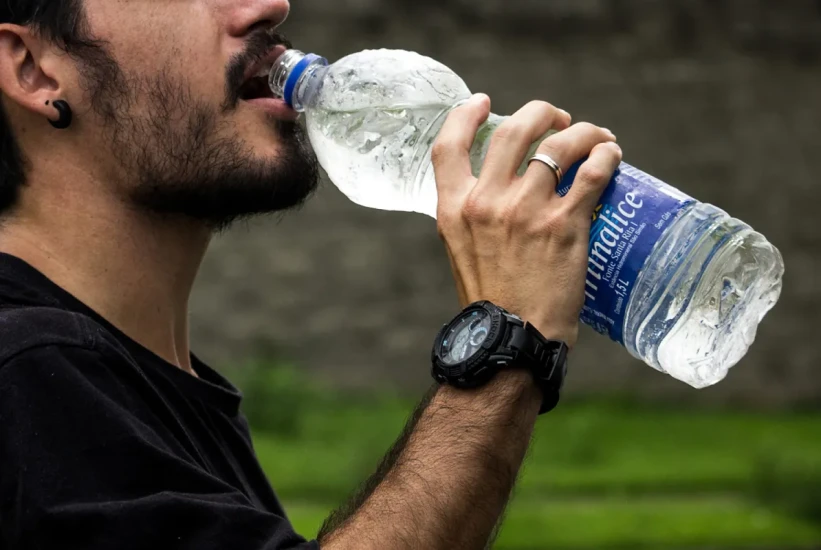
(447, 481)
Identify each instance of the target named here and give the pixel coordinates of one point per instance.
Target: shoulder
(27, 328)
(56, 360)
(28, 334)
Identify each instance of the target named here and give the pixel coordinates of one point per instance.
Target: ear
(27, 70)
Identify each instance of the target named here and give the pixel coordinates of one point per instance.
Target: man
(129, 136)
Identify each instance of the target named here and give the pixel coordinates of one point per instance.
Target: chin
(264, 135)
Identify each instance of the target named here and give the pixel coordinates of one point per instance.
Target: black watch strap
(504, 341)
(545, 359)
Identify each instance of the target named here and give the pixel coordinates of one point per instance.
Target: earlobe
(64, 112)
(23, 79)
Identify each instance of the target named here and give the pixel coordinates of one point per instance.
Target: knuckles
(587, 128)
(594, 176)
(542, 109)
(479, 211)
(441, 150)
(510, 130)
(517, 129)
(548, 148)
(558, 224)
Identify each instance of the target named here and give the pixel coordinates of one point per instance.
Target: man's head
(159, 90)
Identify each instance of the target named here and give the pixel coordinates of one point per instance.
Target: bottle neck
(296, 77)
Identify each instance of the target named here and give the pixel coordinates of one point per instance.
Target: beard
(177, 153)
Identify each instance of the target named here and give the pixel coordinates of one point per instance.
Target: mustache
(259, 43)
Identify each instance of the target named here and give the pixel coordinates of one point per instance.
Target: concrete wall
(720, 98)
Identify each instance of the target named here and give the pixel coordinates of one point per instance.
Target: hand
(512, 240)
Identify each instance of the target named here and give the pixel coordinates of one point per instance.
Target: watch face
(465, 337)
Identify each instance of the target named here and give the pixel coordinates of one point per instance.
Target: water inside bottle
(699, 300)
(703, 289)
(375, 120)
(374, 154)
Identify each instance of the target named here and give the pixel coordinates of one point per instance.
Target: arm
(513, 241)
(447, 480)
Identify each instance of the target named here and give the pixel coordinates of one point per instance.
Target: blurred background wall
(721, 98)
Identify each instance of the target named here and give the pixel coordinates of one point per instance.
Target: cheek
(194, 52)
(181, 38)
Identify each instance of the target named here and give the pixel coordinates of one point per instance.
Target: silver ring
(552, 164)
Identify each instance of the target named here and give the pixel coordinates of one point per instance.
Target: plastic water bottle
(679, 283)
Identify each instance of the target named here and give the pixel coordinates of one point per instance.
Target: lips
(255, 79)
(276, 108)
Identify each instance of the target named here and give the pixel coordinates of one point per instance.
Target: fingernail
(478, 97)
(565, 112)
(609, 132)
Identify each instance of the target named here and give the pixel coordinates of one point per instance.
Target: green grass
(581, 449)
(599, 474)
(648, 523)
(614, 523)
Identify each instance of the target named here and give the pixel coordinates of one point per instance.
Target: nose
(243, 16)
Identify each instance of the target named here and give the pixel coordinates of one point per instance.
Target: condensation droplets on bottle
(681, 284)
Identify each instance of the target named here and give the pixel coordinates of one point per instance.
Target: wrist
(519, 387)
(556, 328)
(513, 389)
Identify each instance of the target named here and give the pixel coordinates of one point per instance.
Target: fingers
(593, 177)
(450, 153)
(565, 148)
(514, 138)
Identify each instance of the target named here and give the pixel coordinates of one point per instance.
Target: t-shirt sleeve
(79, 470)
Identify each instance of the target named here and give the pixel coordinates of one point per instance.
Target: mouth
(255, 82)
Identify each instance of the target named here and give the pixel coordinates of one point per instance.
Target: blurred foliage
(789, 483)
(599, 475)
(275, 398)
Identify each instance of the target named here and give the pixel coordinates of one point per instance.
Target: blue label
(634, 211)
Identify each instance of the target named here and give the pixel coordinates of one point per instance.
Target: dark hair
(64, 23)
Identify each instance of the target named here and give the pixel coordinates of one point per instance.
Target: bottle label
(633, 213)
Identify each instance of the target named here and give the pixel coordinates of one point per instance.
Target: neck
(134, 268)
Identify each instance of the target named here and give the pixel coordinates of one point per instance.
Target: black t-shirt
(104, 445)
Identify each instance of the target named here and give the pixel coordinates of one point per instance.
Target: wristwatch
(484, 339)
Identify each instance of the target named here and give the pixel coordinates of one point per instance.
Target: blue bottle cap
(293, 78)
